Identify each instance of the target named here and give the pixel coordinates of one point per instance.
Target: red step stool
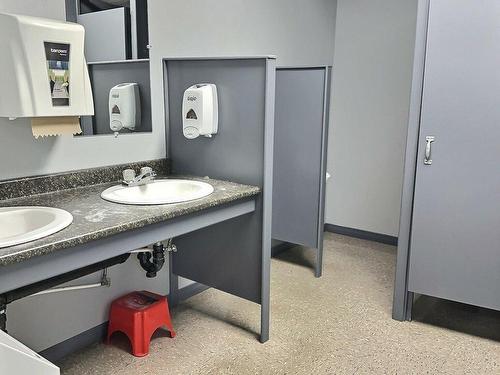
(139, 315)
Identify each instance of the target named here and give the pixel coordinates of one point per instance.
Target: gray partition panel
(228, 255)
(107, 34)
(300, 148)
(224, 256)
(103, 77)
(297, 154)
(403, 299)
(237, 151)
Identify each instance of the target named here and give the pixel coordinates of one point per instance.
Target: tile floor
(338, 324)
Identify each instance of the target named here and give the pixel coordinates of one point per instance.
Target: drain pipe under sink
(153, 260)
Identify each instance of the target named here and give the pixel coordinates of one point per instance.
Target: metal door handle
(428, 149)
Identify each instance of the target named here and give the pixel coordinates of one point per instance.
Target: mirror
(116, 49)
(107, 81)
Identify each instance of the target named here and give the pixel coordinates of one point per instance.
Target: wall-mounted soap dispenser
(200, 115)
(124, 107)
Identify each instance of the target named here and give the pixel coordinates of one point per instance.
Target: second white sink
(158, 192)
(24, 224)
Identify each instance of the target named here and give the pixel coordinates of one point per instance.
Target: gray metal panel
(59, 262)
(133, 28)
(402, 299)
(223, 256)
(322, 187)
(71, 10)
(269, 110)
(103, 77)
(236, 153)
(141, 28)
(298, 144)
(228, 256)
(455, 240)
(106, 34)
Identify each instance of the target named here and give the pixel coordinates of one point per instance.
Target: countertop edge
(46, 249)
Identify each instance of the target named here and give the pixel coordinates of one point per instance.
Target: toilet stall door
(455, 240)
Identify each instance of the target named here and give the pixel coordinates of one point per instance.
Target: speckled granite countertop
(95, 218)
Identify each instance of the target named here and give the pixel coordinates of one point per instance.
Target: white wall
(43, 321)
(298, 32)
(371, 86)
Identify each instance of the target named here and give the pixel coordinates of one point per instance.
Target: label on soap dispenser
(57, 55)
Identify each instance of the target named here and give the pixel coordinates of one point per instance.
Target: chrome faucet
(145, 176)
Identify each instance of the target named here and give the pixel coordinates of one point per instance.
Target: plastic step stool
(139, 315)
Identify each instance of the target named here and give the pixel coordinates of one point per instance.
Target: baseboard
(362, 234)
(98, 333)
(75, 343)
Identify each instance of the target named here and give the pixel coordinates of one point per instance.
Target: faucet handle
(128, 175)
(147, 170)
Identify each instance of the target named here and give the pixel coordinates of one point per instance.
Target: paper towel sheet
(47, 126)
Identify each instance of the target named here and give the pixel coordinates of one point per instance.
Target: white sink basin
(24, 224)
(158, 192)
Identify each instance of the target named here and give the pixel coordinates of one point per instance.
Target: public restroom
(249, 187)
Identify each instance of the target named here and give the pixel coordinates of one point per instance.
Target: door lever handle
(428, 149)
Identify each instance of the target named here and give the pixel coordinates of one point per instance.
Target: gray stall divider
(233, 256)
(107, 34)
(300, 145)
(105, 75)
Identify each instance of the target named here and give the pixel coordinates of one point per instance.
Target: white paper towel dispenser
(124, 107)
(200, 115)
(43, 69)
